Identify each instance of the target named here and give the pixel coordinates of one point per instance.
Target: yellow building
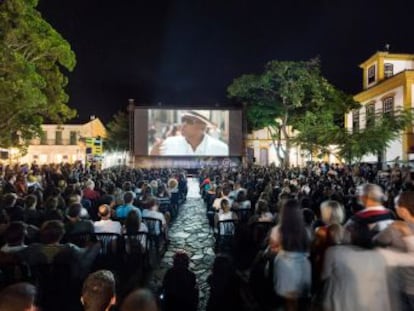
(63, 143)
(388, 83)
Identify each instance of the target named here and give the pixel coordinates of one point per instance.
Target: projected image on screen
(174, 132)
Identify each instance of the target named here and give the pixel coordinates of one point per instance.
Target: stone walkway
(190, 231)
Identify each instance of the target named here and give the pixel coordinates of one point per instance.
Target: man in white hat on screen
(193, 140)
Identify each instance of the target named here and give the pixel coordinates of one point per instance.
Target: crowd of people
(321, 237)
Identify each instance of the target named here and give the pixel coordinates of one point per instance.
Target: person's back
(185, 296)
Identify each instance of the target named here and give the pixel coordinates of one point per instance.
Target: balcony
(60, 142)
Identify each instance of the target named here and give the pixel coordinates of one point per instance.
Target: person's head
(226, 191)
(193, 125)
(241, 196)
(152, 203)
(128, 197)
(30, 201)
(74, 211)
(370, 195)
(181, 259)
(262, 207)
(132, 222)
(18, 297)
(308, 216)
(98, 291)
(104, 212)
(52, 231)
(292, 227)
(332, 212)
(172, 183)
(225, 205)
(405, 206)
(89, 184)
(140, 300)
(15, 233)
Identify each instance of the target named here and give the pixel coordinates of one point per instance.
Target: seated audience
(15, 234)
(123, 210)
(106, 224)
(75, 224)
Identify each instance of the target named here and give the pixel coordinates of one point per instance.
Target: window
(370, 114)
(43, 138)
(388, 105)
(355, 120)
(73, 140)
(58, 138)
(371, 74)
(388, 70)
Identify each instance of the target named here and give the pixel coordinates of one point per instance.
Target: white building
(61, 143)
(388, 84)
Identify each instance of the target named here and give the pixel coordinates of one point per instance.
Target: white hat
(201, 115)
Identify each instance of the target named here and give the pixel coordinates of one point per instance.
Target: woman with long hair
(291, 267)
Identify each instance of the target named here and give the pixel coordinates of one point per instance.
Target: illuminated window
(58, 138)
(355, 120)
(388, 70)
(388, 105)
(371, 74)
(370, 114)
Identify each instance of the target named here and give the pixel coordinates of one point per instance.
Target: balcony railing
(63, 142)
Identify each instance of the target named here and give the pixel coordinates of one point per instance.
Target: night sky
(188, 52)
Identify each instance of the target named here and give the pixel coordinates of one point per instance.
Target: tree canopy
(118, 132)
(33, 58)
(291, 95)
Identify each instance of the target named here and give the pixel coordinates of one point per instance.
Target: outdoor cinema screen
(187, 132)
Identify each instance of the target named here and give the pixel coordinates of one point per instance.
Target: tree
(282, 95)
(32, 57)
(373, 139)
(118, 132)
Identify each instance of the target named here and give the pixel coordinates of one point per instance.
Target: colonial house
(388, 84)
(62, 142)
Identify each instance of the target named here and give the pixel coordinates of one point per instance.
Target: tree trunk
(287, 140)
(276, 143)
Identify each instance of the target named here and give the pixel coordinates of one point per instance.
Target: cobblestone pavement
(191, 232)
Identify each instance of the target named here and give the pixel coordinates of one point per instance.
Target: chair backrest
(226, 227)
(164, 204)
(80, 239)
(110, 242)
(154, 225)
(135, 243)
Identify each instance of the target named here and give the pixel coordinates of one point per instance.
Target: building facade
(62, 143)
(388, 84)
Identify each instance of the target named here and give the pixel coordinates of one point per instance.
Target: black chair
(155, 234)
(81, 239)
(226, 229)
(109, 254)
(165, 206)
(136, 251)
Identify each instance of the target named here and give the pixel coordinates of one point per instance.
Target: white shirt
(107, 226)
(178, 145)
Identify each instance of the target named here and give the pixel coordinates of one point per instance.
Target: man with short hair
(18, 297)
(75, 224)
(98, 292)
(194, 139)
(374, 218)
(123, 210)
(140, 300)
(106, 224)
